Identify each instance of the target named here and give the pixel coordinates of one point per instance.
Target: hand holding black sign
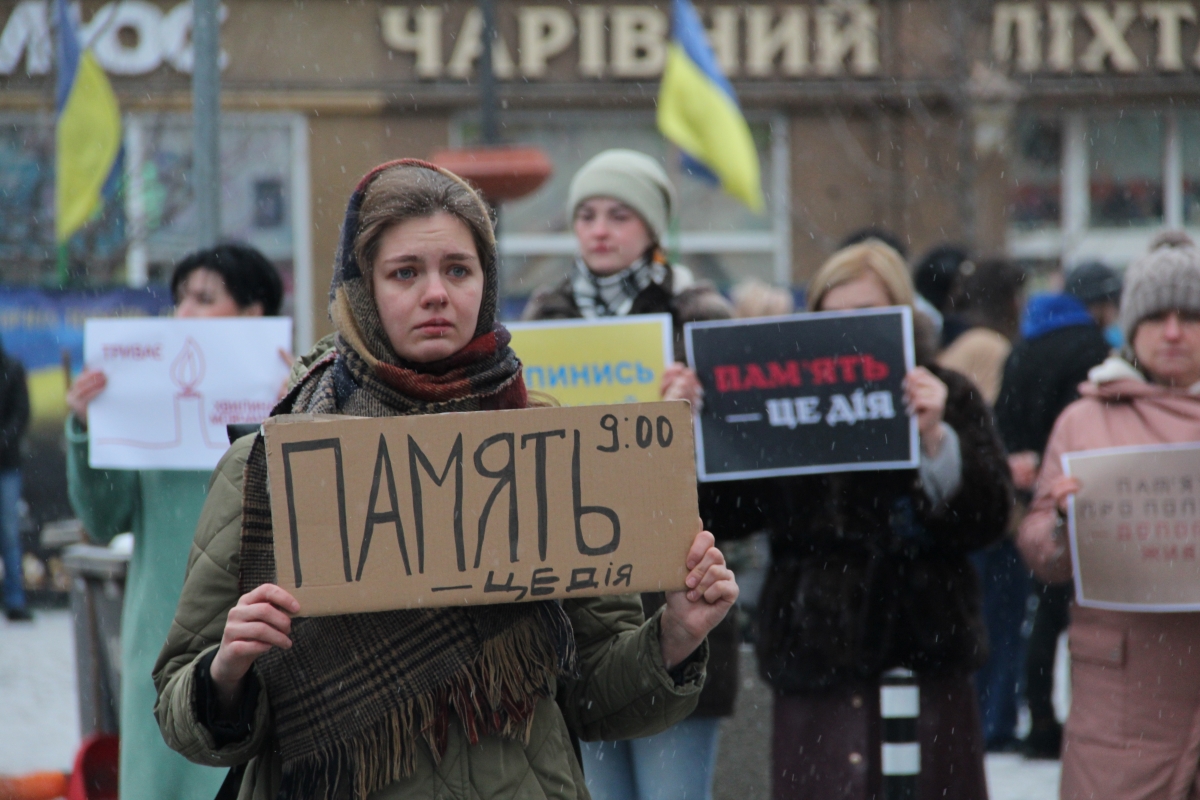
(808, 393)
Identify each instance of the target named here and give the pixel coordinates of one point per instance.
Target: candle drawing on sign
(191, 426)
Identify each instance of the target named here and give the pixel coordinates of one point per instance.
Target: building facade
(1046, 130)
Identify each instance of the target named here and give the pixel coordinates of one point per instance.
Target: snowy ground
(39, 713)
(39, 719)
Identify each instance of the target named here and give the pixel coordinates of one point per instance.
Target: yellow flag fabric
(704, 122)
(88, 140)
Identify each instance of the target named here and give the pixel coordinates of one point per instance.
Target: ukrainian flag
(698, 111)
(88, 133)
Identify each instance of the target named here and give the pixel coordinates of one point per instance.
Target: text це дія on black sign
(803, 394)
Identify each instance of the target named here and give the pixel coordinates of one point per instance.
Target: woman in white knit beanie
(620, 204)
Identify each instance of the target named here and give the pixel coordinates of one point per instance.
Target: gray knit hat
(1166, 278)
(634, 178)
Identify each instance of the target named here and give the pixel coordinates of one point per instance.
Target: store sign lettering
(1030, 37)
(630, 41)
(129, 37)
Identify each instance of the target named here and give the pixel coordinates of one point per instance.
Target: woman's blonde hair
(853, 262)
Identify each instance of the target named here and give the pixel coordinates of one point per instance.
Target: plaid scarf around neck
(357, 695)
(613, 295)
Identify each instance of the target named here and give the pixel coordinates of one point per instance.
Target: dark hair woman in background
(161, 508)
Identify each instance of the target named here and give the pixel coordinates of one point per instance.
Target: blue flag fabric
(698, 111)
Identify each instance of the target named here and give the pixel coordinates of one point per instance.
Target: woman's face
(203, 294)
(611, 235)
(1167, 346)
(428, 285)
(865, 291)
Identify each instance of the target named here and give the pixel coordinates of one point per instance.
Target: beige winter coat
(1134, 726)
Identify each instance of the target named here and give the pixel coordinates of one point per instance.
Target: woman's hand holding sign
(692, 613)
(86, 387)
(1061, 489)
(262, 619)
(925, 397)
(679, 382)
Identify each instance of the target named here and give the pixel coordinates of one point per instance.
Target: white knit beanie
(633, 178)
(1167, 278)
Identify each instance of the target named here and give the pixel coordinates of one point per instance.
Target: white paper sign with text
(1135, 527)
(175, 384)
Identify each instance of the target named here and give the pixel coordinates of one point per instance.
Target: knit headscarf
(356, 694)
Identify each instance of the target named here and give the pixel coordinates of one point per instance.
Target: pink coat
(1134, 727)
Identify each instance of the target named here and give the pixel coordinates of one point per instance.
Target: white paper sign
(1135, 527)
(175, 384)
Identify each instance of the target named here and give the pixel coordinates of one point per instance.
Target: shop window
(256, 156)
(1036, 169)
(1125, 170)
(256, 163)
(717, 237)
(1189, 137)
(268, 203)
(28, 250)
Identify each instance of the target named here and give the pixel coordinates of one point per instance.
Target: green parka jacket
(622, 691)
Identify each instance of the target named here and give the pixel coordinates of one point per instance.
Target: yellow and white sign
(591, 362)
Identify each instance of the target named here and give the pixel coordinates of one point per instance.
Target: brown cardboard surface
(1135, 529)
(485, 507)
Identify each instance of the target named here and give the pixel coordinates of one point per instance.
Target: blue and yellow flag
(88, 133)
(698, 111)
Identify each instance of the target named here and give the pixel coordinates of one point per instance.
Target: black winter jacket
(866, 575)
(14, 410)
(1041, 378)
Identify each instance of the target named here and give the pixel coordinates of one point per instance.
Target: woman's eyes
(410, 273)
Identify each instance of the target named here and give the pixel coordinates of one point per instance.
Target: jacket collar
(1115, 378)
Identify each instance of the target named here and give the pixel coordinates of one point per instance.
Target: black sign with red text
(803, 394)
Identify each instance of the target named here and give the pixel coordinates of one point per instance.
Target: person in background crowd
(620, 203)
(456, 703)
(161, 507)
(1134, 726)
(873, 232)
(869, 572)
(14, 418)
(1062, 338)
(753, 298)
(986, 297)
(934, 277)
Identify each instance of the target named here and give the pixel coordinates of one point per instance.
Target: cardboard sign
(175, 384)
(592, 362)
(486, 507)
(802, 394)
(1135, 529)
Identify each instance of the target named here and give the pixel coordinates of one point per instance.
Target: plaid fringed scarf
(357, 694)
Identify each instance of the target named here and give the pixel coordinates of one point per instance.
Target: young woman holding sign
(451, 702)
(160, 507)
(620, 203)
(1134, 728)
(869, 572)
